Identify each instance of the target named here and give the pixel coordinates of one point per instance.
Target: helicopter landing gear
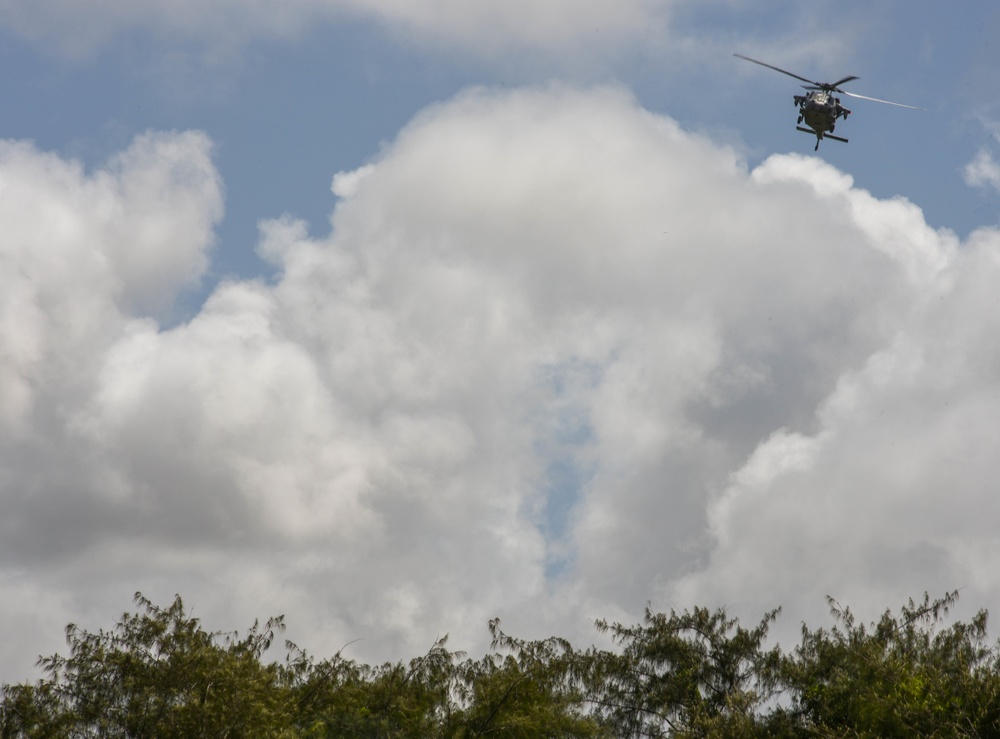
(799, 120)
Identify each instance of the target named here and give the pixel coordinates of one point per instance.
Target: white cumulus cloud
(556, 358)
(892, 493)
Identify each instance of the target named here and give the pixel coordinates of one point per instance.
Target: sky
(394, 317)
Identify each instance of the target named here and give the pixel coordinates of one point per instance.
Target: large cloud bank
(555, 359)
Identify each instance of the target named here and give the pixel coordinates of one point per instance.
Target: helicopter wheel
(799, 120)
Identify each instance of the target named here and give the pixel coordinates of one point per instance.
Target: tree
(523, 689)
(157, 673)
(903, 676)
(696, 673)
(339, 697)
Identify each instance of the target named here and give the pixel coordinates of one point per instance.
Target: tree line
(696, 673)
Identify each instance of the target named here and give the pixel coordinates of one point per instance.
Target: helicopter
(820, 107)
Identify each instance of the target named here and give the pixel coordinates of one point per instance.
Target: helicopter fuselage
(820, 110)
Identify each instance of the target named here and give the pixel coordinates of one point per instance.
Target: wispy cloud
(485, 27)
(983, 170)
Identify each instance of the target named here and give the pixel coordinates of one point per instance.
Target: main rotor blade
(877, 100)
(837, 84)
(778, 69)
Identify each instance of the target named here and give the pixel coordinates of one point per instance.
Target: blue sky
(396, 317)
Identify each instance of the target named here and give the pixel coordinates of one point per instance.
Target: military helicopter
(820, 107)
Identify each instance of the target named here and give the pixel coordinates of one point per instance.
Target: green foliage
(523, 689)
(696, 673)
(517, 691)
(903, 676)
(157, 673)
(338, 697)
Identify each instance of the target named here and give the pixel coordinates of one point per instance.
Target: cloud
(553, 23)
(892, 493)
(983, 171)
(178, 39)
(556, 357)
(487, 27)
(84, 254)
(84, 250)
